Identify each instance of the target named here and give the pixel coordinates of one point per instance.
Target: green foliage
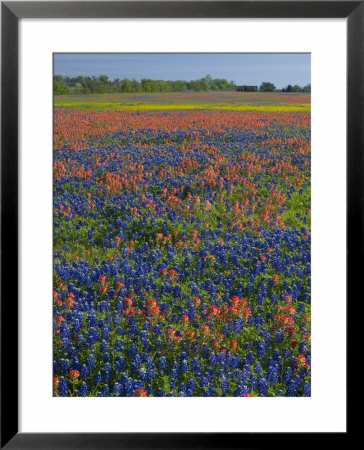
(307, 88)
(266, 86)
(298, 207)
(102, 84)
(297, 88)
(60, 88)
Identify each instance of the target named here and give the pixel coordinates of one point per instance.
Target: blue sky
(243, 68)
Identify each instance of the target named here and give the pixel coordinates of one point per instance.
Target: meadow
(238, 101)
(182, 245)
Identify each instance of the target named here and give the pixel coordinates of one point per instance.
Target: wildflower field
(182, 245)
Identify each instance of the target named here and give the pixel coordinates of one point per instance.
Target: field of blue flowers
(182, 253)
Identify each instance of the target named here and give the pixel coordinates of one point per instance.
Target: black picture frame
(11, 12)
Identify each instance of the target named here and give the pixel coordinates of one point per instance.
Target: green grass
(234, 101)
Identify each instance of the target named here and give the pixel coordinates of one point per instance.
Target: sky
(280, 69)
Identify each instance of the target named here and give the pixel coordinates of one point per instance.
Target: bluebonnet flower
(84, 389)
(98, 378)
(91, 361)
(273, 374)
(119, 363)
(85, 371)
(64, 365)
(143, 374)
(287, 375)
(262, 387)
(292, 387)
(62, 387)
(184, 366)
(306, 389)
(106, 390)
(132, 350)
(163, 365)
(224, 384)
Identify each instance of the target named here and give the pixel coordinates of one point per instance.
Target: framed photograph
(181, 218)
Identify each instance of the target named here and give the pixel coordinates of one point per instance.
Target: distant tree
(102, 84)
(221, 84)
(266, 86)
(246, 88)
(58, 78)
(115, 85)
(80, 80)
(60, 88)
(135, 86)
(79, 89)
(69, 81)
(307, 88)
(125, 85)
(199, 85)
(231, 86)
(162, 86)
(204, 84)
(297, 88)
(178, 86)
(207, 80)
(149, 85)
(104, 80)
(194, 86)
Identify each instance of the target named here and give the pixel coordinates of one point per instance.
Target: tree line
(102, 84)
(266, 86)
